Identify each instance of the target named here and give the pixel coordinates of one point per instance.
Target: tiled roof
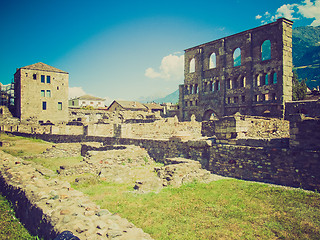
(153, 106)
(43, 67)
(91, 98)
(131, 105)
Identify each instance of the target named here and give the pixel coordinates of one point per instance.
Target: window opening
(43, 94)
(59, 105)
(44, 105)
(48, 93)
(237, 57)
(242, 82)
(35, 76)
(234, 84)
(48, 79)
(243, 99)
(274, 78)
(266, 79)
(43, 78)
(229, 84)
(196, 89)
(192, 66)
(266, 50)
(213, 61)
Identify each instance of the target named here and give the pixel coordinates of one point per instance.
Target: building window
(44, 105)
(234, 84)
(274, 78)
(256, 98)
(242, 82)
(243, 99)
(236, 99)
(196, 89)
(217, 86)
(213, 61)
(48, 93)
(263, 97)
(192, 65)
(237, 57)
(35, 76)
(186, 103)
(190, 89)
(266, 50)
(59, 105)
(48, 79)
(43, 94)
(266, 79)
(43, 78)
(229, 100)
(262, 80)
(229, 84)
(210, 87)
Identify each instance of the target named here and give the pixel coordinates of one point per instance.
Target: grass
(10, 227)
(225, 209)
(21, 146)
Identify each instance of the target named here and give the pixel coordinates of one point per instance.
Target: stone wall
(48, 206)
(310, 108)
(241, 126)
(217, 81)
(286, 166)
(305, 132)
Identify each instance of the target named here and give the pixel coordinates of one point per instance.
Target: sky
(129, 49)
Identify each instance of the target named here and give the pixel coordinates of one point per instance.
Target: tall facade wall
(249, 72)
(38, 101)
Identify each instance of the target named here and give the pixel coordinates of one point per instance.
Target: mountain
(306, 54)
(171, 98)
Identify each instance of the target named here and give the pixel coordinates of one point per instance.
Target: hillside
(306, 54)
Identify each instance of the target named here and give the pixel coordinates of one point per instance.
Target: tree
(299, 89)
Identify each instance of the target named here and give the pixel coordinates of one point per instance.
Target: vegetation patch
(224, 209)
(10, 227)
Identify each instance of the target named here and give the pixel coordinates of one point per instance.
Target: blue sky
(127, 49)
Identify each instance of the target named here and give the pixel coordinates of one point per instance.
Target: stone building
(249, 72)
(41, 94)
(119, 105)
(87, 100)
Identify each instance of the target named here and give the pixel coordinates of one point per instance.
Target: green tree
(299, 89)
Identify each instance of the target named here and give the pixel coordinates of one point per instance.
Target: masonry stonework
(249, 72)
(41, 94)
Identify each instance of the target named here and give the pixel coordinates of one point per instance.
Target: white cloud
(150, 73)
(286, 11)
(76, 92)
(306, 9)
(171, 68)
(311, 10)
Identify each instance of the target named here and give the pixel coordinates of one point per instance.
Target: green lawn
(225, 209)
(10, 227)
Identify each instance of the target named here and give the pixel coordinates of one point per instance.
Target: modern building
(41, 94)
(87, 100)
(249, 72)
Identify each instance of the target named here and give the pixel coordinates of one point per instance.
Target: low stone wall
(311, 108)
(304, 132)
(241, 126)
(285, 166)
(48, 206)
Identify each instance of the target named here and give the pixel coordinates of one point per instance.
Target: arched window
(191, 89)
(266, 50)
(274, 78)
(192, 67)
(266, 80)
(213, 61)
(237, 57)
(242, 82)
